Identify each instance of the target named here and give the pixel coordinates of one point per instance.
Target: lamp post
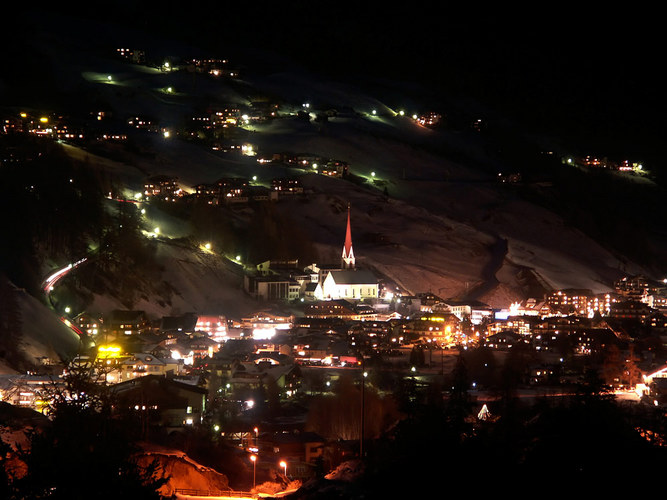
(363, 404)
(256, 438)
(254, 468)
(283, 464)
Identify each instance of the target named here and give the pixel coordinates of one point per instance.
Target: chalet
(124, 322)
(520, 324)
(225, 117)
(142, 364)
(332, 309)
(441, 328)
(162, 186)
(252, 376)
(630, 309)
(638, 288)
(267, 320)
(429, 302)
(89, 323)
(335, 168)
(135, 56)
(259, 193)
(474, 310)
(286, 186)
(161, 401)
(225, 190)
(593, 340)
(502, 340)
(29, 391)
(143, 123)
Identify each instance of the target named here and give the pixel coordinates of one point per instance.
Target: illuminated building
(430, 119)
(353, 284)
(134, 55)
(286, 186)
(213, 326)
(141, 364)
(443, 329)
(579, 301)
(163, 187)
(161, 401)
(124, 322)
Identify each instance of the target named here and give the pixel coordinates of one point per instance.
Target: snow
(43, 332)
(446, 227)
(207, 284)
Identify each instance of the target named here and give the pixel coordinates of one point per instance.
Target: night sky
(590, 77)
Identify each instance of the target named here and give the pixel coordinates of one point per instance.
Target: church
(348, 282)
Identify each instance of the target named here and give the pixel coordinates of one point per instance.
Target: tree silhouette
(85, 451)
(631, 372)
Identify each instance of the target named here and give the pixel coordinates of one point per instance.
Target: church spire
(348, 260)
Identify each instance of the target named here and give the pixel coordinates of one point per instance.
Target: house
(332, 309)
(29, 391)
(142, 364)
(162, 186)
(335, 168)
(287, 186)
(126, 322)
(630, 309)
(441, 328)
(213, 326)
(259, 193)
(502, 340)
(299, 450)
(251, 376)
(272, 287)
(161, 401)
(183, 323)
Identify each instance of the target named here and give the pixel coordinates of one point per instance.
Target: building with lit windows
(161, 402)
(163, 187)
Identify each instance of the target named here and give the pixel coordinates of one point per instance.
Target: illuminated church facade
(348, 282)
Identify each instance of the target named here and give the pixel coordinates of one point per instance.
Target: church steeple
(348, 260)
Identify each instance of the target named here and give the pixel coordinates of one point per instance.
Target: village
(317, 326)
(318, 329)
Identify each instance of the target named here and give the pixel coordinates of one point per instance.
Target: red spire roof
(348, 234)
(348, 253)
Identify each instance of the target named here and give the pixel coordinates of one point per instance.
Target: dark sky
(593, 76)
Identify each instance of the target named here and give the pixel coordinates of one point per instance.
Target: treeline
(269, 233)
(51, 205)
(515, 447)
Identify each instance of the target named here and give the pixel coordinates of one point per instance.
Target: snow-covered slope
(445, 226)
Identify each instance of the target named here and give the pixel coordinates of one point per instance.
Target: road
(49, 284)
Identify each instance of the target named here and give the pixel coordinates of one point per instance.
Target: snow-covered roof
(353, 277)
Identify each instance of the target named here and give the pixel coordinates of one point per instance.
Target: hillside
(428, 212)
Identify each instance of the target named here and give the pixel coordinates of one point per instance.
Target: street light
(283, 464)
(254, 468)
